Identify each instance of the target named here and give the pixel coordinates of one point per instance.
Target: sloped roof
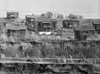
(96, 21)
(76, 20)
(85, 28)
(15, 27)
(18, 20)
(46, 20)
(87, 21)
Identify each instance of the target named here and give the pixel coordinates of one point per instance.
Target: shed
(16, 30)
(96, 24)
(82, 32)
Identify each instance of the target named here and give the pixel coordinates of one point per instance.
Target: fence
(91, 61)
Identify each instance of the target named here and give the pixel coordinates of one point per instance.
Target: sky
(86, 8)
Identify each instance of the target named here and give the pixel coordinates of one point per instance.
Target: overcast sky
(86, 8)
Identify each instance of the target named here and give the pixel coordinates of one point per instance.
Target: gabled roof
(46, 20)
(85, 28)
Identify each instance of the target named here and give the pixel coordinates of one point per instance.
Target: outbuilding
(70, 23)
(16, 30)
(96, 24)
(83, 32)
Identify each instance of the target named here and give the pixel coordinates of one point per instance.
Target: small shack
(83, 32)
(16, 30)
(70, 23)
